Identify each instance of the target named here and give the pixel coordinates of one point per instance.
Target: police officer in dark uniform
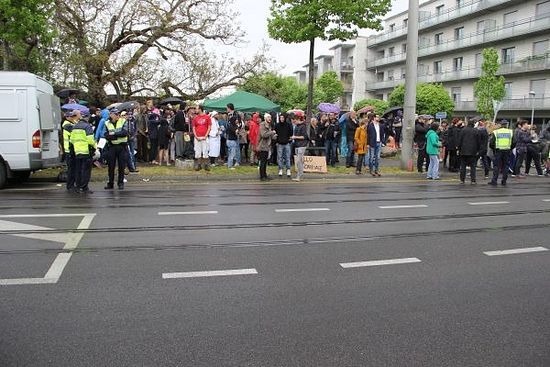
(116, 133)
(71, 118)
(501, 143)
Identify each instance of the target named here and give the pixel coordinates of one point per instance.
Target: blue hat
(71, 113)
(114, 110)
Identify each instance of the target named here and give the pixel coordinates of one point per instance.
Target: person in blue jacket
(100, 129)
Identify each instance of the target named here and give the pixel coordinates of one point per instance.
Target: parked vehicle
(30, 125)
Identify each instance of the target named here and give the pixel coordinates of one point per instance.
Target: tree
(380, 106)
(24, 32)
(430, 99)
(285, 91)
(329, 87)
(306, 20)
(489, 86)
(148, 46)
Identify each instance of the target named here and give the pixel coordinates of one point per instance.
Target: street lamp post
(532, 95)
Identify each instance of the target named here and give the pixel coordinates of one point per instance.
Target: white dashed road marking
(212, 273)
(360, 264)
(403, 206)
(489, 203)
(302, 210)
(515, 251)
(189, 213)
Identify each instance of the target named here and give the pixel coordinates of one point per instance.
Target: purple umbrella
(328, 108)
(74, 106)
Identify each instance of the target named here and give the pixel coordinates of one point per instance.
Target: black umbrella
(127, 106)
(392, 110)
(65, 93)
(173, 100)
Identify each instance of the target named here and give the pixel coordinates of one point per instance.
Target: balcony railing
(532, 63)
(525, 103)
(466, 9)
(522, 27)
(386, 60)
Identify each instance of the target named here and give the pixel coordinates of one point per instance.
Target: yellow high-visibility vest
(503, 138)
(112, 128)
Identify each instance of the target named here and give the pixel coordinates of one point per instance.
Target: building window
(540, 47)
(403, 75)
(543, 9)
(390, 74)
(404, 48)
(422, 70)
(439, 38)
(539, 87)
(457, 63)
(438, 67)
(478, 60)
(391, 51)
(455, 94)
(459, 33)
(380, 76)
(510, 18)
(392, 27)
(459, 3)
(508, 90)
(439, 9)
(380, 55)
(405, 23)
(508, 55)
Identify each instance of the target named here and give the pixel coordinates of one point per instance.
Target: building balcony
(516, 103)
(346, 68)
(452, 15)
(517, 29)
(371, 64)
(527, 65)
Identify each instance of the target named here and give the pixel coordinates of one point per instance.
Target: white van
(30, 124)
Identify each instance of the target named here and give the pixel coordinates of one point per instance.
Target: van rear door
(50, 126)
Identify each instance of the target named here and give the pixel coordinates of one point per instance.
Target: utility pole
(409, 109)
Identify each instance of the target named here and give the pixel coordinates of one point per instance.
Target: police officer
(501, 143)
(71, 118)
(84, 147)
(116, 133)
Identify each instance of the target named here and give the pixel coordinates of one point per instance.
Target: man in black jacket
(483, 146)
(468, 145)
(420, 130)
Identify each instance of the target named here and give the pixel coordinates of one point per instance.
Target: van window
(9, 105)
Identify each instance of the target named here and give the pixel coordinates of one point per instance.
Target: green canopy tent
(243, 102)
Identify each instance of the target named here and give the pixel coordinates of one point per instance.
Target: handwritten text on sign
(314, 164)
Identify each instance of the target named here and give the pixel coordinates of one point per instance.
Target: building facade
(452, 36)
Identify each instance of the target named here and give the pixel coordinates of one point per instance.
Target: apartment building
(452, 35)
(342, 62)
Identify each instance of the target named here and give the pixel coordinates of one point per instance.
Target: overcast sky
(289, 57)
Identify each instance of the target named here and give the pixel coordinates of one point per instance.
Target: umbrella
(366, 109)
(297, 112)
(74, 106)
(173, 101)
(83, 102)
(328, 108)
(64, 93)
(127, 106)
(426, 117)
(113, 105)
(392, 110)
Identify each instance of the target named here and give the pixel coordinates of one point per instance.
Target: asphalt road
(356, 273)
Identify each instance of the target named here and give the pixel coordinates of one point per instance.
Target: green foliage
(430, 99)
(329, 87)
(285, 91)
(379, 105)
(307, 20)
(24, 33)
(289, 93)
(293, 21)
(489, 86)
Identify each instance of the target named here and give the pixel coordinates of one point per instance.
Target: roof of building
(342, 45)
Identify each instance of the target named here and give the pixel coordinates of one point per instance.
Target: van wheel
(3, 175)
(21, 176)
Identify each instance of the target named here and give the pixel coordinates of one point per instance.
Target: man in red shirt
(201, 128)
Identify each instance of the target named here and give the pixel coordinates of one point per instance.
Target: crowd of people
(160, 135)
